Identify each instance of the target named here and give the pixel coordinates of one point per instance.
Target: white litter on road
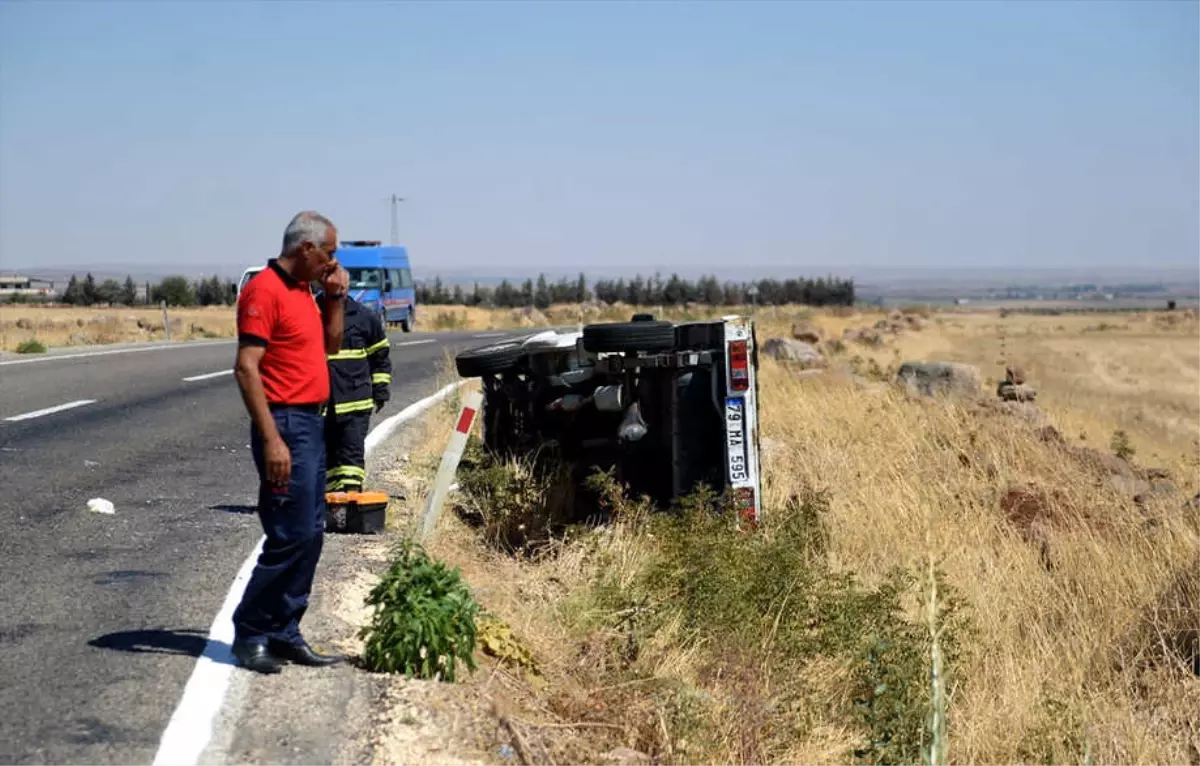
(100, 505)
(191, 726)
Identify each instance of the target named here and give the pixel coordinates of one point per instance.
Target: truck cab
(381, 280)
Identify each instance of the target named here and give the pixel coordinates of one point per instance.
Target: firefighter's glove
(379, 404)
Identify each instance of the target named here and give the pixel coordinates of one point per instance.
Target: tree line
(639, 291)
(176, 291)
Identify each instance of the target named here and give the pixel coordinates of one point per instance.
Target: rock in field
(1016, 392)
(864, 335)
(797, 352)
(807, 333)
(625, 756)
(939, 378)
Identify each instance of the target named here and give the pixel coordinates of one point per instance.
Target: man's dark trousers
(293, 520)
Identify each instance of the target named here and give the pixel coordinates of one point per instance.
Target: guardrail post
(449, 466)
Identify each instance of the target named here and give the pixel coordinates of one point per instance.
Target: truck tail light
(739, 366)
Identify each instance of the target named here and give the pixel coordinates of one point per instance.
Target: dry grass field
(63, 326)
(1069, 621)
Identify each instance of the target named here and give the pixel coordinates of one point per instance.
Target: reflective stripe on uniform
(376, 347)
(362, 405)
(381, 377)
(347, 471)
(348, 353)
(339, 485)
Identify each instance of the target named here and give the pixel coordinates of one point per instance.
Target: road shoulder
(344, 715)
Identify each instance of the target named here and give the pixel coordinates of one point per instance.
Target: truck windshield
(364, 279)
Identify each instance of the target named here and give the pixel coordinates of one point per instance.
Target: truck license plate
(735, 439)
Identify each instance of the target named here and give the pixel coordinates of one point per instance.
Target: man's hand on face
(336, 281)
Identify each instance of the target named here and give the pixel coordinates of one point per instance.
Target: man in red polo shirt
(283, 339)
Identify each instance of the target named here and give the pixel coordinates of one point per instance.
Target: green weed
(758, 607)
(519, 503)
(424, 619)
(31, 346)
(1121, 446)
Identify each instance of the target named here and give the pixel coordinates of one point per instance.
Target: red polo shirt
(277, 311)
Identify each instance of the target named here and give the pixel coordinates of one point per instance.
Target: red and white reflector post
(446, 471)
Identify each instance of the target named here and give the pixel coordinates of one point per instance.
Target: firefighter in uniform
(360, 378)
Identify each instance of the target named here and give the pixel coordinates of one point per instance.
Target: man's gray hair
(306, 226)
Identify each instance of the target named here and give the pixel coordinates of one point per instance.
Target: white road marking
(50, 410)
(490, 335)
(191, 725)
(139, 349)
(208, 375)
(414, 343)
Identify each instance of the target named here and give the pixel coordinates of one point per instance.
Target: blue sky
(605, 136)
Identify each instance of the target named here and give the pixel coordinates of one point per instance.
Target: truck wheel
(383, 318)
(488, 360)
(641, 335)
(406, 324)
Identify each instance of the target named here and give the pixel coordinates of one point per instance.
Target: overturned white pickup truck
(669, 406)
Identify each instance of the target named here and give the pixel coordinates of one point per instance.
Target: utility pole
(395, 220)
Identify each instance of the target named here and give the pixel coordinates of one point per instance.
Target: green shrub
(1121, 446)
(424, 619)
(520, 503)
(761, 604)
(32, 346)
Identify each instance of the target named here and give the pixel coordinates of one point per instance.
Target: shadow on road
(242, 509)
(188, 642)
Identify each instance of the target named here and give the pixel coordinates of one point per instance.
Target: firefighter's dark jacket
(361, 373)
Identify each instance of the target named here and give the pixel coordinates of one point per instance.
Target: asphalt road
(101, 616)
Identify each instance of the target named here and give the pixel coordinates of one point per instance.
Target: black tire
(488, 360)
(406, 324)
(629, 336)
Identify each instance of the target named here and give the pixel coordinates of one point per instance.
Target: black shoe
(303, 654)
(257, 657)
